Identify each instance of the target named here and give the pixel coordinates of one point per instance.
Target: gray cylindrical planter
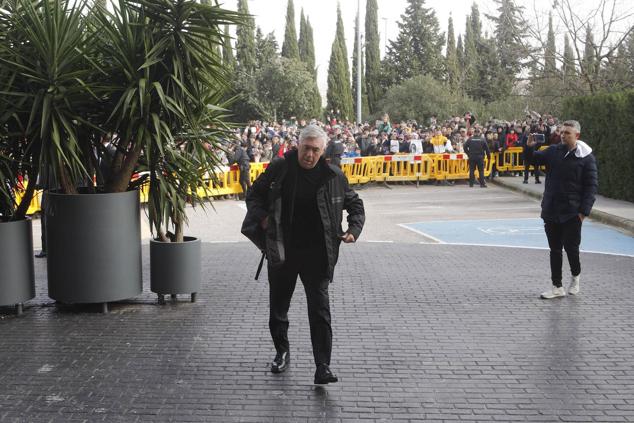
(94, 247)
(175, 267)
(17, 277)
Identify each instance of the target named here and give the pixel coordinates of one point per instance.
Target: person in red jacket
(511, 138)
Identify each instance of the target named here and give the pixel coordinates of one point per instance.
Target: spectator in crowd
(363, 141)
(385, 127)
(571, 186)
(334, 151)
(439, 141)
(416, 144)
(528, 151)
(476, 148)
(267, 152)
(511, 138)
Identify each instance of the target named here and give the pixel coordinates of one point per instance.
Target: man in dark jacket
(241, 158)
(335, 150)
(295, 209)
(476, 148)
(571, 186)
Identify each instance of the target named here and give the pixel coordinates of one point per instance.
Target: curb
(600, 216)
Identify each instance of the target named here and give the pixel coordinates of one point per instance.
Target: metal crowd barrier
(360, 170)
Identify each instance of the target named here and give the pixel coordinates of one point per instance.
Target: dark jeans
(245, 180)
(281, 287)
(472, 166)
(568, 236)
(528, 162)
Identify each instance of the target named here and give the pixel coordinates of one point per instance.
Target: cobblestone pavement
(421, 333)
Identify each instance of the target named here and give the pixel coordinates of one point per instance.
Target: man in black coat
(571, 186)
(294, 214)
(476, 148)
(241, 158)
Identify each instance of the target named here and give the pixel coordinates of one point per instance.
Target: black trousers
(473, 163)
(528, 162)
(245, 180)
(566, 235)
(281, 287)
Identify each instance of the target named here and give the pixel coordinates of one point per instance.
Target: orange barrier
(360, 170)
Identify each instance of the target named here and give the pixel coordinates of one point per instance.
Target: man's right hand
(265, 223)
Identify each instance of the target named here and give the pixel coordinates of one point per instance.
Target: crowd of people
(262, 141)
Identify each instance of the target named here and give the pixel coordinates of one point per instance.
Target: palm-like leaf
(46, 51)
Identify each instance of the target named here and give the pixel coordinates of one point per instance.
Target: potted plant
(185, 117)
(111, 82)
(17, 277)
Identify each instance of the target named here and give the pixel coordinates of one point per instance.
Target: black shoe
(281, 362)
(323, 375)
(470, 185)
(483, 186)
(525, 181)
(41, 254)
(538, 181)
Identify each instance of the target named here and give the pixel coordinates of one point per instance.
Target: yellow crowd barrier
(359, 170)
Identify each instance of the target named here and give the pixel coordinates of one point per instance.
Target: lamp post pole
(359, 70)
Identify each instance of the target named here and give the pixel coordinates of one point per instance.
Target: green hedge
(607, 125)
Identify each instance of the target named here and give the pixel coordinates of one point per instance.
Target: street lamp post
(359, 70)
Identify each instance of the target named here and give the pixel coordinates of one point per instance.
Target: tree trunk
(20, 212)
(121, 180)
(65, 181)
(178, 232)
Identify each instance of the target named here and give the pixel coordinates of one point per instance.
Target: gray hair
(313, 131)
(573, 124)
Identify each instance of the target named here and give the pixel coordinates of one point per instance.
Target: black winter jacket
(265, 199)
(571, 181)
(476, 148)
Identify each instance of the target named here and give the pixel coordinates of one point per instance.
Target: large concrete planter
(94, 247)
(175, 267)
(17, 277)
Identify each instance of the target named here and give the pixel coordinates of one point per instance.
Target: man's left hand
(348, 238)
(581, 217)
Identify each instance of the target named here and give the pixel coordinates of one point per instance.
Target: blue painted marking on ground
(522, 233)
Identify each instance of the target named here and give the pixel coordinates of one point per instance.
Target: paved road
(422, 332)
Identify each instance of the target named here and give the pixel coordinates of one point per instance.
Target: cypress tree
(341, 37)
(339, 97)
(290, 48)
(460, 54)
(245, 40)
(228, 59)
(307, 55)
(301, 42)
(451, 57)
(355, 70)
(310, 48)
(569, 70)
(372, 56)
(470, 58)
(589, 65)
(476, 23)
(550, 60)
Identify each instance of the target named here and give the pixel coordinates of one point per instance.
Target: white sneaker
(554, 293)
(574, 285)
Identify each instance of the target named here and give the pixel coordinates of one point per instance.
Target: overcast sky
(270, 15)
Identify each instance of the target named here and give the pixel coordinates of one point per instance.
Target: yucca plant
(167, 83)
(46, 56)
(145, 72)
